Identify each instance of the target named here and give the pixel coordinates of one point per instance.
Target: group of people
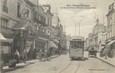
(107, 52)
(42, 55)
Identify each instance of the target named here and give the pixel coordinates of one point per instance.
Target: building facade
(98, 34)
(97, 38)
(25, 25)
(111, 27)
(111, 22)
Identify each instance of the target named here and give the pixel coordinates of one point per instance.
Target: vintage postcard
(57, 36)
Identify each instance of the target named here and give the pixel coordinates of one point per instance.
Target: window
(49, 21)
(43, 29)
(39, 18)
(110, 34)
(5, 7)
(26, 14)
(42, 19)
(37, 28)
(4, 22)
(18, 10)
(77, 44)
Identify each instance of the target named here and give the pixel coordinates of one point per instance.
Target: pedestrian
(106, 51)
(23, 57)
(46, 54)
(40, 54)
(17, 55)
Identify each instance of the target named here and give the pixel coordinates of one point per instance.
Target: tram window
(77, 44)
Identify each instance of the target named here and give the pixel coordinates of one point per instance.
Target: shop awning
(2, 38)
(52, 44)
(8, 40)
(111, 42)
(55, 40)
(43, 39)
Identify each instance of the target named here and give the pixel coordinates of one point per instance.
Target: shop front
(41, 44)
(111, 47)
(6, 48)
(53, 48)
(1, 53)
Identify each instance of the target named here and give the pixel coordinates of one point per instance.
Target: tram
(76, 48)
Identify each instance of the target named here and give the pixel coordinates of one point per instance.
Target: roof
(77, 37)
(29, 2)
(46, 9)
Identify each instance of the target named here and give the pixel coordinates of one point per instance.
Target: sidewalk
(54, 56)
(110, 61)
(21, 65)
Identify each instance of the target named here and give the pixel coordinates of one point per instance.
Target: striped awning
(51, 44)
(113, 41)
(2, 37)
(55, 40)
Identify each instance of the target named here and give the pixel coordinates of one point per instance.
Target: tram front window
(77, 44)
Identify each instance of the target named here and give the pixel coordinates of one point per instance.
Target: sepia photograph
(57, 36)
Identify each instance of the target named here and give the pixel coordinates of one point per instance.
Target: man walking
(17, 55)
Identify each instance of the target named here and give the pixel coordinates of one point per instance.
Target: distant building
(10, 16)
(25, 25)
(98, 31)
(68, 38)
(88, 41)
(55, 19)
(60, 34)
(111, 27)
(111, 22)
(97, 38)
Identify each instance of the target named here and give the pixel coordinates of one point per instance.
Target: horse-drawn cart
(92, 52)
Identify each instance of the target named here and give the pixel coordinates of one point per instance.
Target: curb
(29, 63)
(106, 62)
(17, 67)
(53, 57)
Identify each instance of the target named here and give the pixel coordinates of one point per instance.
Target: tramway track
(72, 67)
(65, 67)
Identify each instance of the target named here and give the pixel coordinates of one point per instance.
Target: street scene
(62, 64)
(59, 36)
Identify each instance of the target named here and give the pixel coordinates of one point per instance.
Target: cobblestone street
(62, 64)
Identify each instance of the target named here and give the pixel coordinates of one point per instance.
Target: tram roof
(77, 38)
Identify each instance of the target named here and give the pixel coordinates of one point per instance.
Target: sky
(85, 17)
